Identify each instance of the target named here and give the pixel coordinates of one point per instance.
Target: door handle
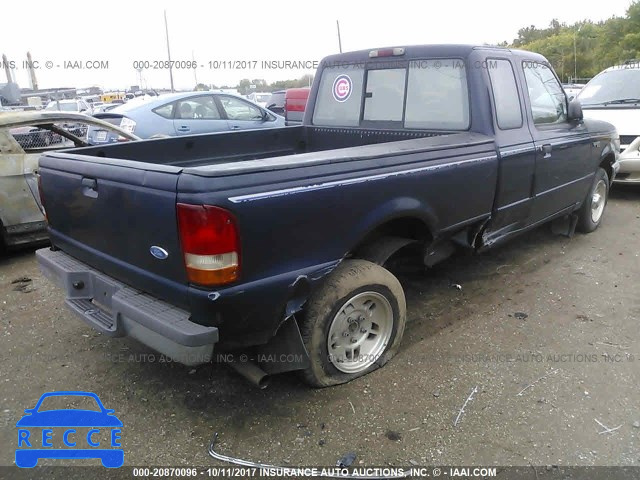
(235, 127)
(89, 187)
(546, 150)
(183, 128)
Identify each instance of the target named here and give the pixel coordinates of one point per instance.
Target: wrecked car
(24, 136)
(277, 241)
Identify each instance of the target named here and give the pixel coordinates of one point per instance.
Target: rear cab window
(416, 94)
(340, 96)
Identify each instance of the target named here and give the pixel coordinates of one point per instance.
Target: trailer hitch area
(293, 471)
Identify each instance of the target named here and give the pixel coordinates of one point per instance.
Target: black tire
(586, 222)
(351, 278)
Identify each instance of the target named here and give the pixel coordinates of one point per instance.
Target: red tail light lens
(210, 244)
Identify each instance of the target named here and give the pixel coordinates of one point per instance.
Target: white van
(614, 96)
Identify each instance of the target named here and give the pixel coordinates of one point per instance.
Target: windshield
(263, 97)
(63, 106)
(611, 86)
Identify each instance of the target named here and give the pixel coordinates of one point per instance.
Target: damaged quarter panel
(318, 214)
(20, 215)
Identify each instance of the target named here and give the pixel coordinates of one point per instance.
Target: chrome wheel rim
(360, 332)
(598, 200)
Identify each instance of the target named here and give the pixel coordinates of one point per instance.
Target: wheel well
(410, 228)
(607, 165)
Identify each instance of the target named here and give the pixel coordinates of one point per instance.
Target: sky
(231, 40)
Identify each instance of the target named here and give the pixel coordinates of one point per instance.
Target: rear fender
(394, 209)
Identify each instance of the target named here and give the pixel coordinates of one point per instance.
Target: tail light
(127, 124)
(387, 52)
(210, 244)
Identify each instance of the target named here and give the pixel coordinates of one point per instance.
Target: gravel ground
(545, 328)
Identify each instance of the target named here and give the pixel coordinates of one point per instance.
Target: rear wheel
(353, 324)
(592, 211)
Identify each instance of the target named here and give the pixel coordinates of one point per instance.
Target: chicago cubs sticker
(342, 88)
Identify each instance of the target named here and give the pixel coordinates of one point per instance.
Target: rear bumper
(115, 309)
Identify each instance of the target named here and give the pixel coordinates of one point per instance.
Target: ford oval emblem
(159, 252)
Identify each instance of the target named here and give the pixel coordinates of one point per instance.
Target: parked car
(276, 102)
(572, 89)
(294, 105)
(614, 96)
(259, 98)
(23, 138)
(176, 114)
(77, 105)
(279, 241)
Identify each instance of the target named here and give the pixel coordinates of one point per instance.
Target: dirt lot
(556, 315)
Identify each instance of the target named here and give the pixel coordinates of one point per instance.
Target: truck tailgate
(109, 214)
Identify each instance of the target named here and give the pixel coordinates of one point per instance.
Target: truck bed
(231, 147)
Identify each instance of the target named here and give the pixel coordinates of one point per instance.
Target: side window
(197, 108)
(165, 111)
(384, 95)
(437, 95)
(237, 109)
(505, 94)
(548, 101)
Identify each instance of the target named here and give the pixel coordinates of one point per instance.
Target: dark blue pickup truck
(275, 242)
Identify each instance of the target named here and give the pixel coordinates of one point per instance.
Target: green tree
(585, 47)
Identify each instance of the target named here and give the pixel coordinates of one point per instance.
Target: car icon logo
(159, 252)
(69, 433)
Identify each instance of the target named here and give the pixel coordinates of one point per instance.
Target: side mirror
(575, 111)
